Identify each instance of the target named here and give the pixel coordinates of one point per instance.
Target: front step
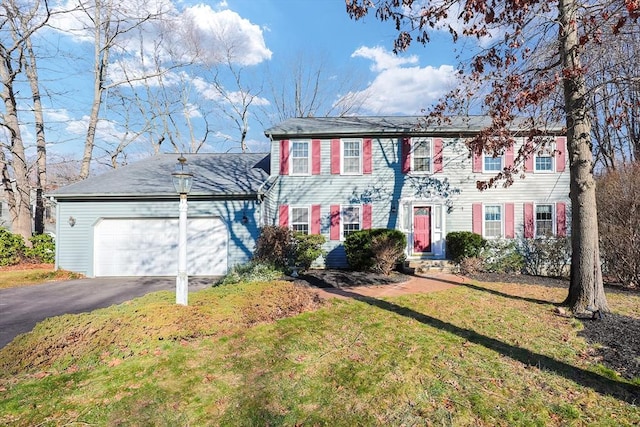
(424, 266)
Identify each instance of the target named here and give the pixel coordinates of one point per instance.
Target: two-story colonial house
(333, 176)
(329, 176)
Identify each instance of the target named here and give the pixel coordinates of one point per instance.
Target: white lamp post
(182, 180)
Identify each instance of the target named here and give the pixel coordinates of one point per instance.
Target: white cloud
(402, 90)
(196, 33)
(221, 35)
(383, 59)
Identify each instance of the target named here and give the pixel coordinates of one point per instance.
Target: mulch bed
(615, 338)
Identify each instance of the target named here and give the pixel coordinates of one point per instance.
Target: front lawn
(271, 354)
(32, 274)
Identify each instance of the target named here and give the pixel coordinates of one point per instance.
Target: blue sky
(267, 35)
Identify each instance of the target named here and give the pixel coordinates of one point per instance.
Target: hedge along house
(125, 222)
(333, 176)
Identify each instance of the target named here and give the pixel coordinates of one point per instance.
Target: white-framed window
(492, 221)
(492, 164)
(350, 220)
(300, 219)
(351, 157)
(421, 160)
(543, 160)
(544, 220)
(300, 157)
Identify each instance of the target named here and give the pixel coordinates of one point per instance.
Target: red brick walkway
(415, 285)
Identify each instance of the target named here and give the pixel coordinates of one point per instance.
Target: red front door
(422, 229)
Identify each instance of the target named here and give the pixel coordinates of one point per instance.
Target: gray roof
(217, 175)
(387, 125)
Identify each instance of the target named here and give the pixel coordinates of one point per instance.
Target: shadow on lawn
(494, 292)
(605, 386)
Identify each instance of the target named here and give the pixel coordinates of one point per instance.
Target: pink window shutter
(367, 158)
(315, 157)
(561, 219)
(334, 231)
(509, 226)
(528, 161)
(561, 155)
(284, 157)
(529, 226)
(315, 219)
(476, 218)
(508, 156)
(477, 162)
(284, 215)
(437, 155)
(335, 156)
(366, 217)
(406, 155)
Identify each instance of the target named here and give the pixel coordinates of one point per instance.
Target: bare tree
(307, 86)
(109, 21)
(613, 79)
(18, 24)
(514, 85)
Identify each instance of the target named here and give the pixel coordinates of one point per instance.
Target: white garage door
(149, 247)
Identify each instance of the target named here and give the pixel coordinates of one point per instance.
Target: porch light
(182, 176)
(182, 180)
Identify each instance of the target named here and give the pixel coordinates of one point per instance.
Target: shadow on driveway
(22, 307)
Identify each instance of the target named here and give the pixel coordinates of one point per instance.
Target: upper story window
(351, 157)
(350, 220)
(492, 225)
(544, 220)
(543, 161)
(300, 219)
(300, 159)
(491, 164)
(421, 159)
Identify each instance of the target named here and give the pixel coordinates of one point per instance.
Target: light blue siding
(74, 251)
(389, 191)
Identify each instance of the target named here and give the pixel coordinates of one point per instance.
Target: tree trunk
(41, 160)
(16, 187)
(586, 289)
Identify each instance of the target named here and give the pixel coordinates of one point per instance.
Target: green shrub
(252, 271)
(307, 248)
(275, 246)
(363, 255)
(357, 247)
(501, 256)
(12, 247)
(464, 244)
(43, 249)
(546, 256)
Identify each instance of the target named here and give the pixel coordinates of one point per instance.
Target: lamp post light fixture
(182, 180)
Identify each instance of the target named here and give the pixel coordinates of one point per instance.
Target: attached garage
(149, 247)
(125, 221)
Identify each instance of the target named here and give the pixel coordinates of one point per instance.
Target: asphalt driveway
(21, 308)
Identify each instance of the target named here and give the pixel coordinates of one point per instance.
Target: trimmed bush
(501, 256)
(12, 247)
(464, 244)
(307, 248)
(363, 254)
(547, 256)
(43, 249)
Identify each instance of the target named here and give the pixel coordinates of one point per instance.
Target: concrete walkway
(432, 282)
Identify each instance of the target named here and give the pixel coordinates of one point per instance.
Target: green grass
(11, 278)
(270, 354)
